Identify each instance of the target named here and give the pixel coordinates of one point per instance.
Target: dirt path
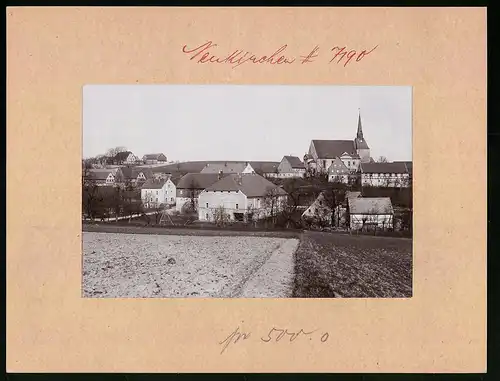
(274, 279)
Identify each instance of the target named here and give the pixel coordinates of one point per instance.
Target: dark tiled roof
(101, 174)
(396, 167)
(224, 167)
(197, 180)
(370, 205)
(153, 156)
(131, 173)
(252, 185)
(295, 161)
(408, 164)
(121, 156)
(330, 149)
(154, 184)
(265, 166)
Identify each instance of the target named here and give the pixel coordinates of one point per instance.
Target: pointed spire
(359, 135)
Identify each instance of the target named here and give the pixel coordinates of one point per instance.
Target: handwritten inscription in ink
(274, 335)
(208, 53)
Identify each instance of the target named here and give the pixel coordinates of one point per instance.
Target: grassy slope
(334, 265)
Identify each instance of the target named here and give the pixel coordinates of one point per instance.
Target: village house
(228, 167)
(321, 212)
(157, 192)
(370, 213)
(289, 167)
(394, 174)
(134, 176)
(190, 186)
(241, 197)
(154, 158)
(103, 176)
(125, 157)
(322, 153)
(338, 172)
(264, 168)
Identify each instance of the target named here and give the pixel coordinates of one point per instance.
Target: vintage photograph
(247, 191)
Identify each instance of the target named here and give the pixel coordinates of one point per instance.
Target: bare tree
(271, 202)
(221, 217)
(382, 159)
(90, 191)
(193, 196)
(334, 197)
(112, 152)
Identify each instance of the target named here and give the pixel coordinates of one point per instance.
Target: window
(206, 216)
(171, 199)
(320, 203)
(206, 204)
(348, 163)
(324, 163)
(236, 206)
(156, 192)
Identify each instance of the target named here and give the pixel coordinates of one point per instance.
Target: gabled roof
(197, 180)
(154, 184)
(396, 167)
(370, 205)
(265, 166)
(131, 173)
(408, 165)
(121, 156)
(338, 168)
(225, 168)
(152, 156)
(102, 174)
(252, 185)
(330, 149)
(295, 162)
(352, 194)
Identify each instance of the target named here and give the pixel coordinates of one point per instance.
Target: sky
(244, 122)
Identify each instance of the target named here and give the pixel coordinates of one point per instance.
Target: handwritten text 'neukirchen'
(274, 335)
(204, 54)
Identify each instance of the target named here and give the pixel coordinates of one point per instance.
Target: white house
(228, 167)
(158, 191)
(289, 167)
(370, 212)
(190, 186)
(241, 197)
(395, 174)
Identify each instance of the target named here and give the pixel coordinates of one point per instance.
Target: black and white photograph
(247, 191)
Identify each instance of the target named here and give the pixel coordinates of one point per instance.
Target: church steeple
(359, 135)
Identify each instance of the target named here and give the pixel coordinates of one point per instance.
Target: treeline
(102, 202)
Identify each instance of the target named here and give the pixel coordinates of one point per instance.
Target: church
(346, 155)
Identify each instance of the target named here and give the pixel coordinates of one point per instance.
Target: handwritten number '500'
(281, 333)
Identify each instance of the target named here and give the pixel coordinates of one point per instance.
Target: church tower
(360, 143)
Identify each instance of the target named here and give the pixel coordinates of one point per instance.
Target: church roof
(330, 149)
